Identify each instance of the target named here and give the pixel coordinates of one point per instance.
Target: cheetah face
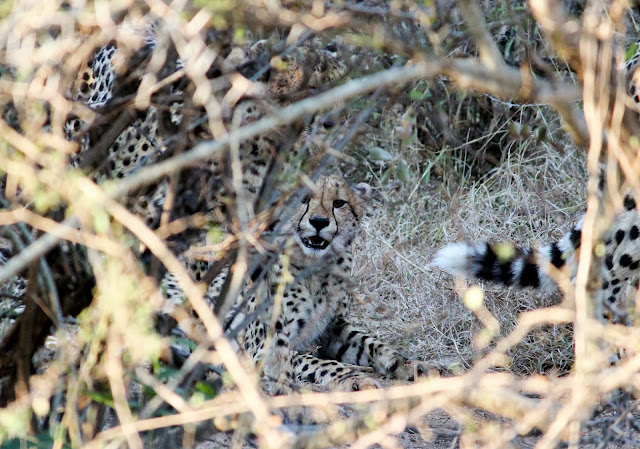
(328, 218)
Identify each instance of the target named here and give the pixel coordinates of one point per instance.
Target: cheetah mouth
(315, 242)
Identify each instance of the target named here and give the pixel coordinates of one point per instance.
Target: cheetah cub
(315, 271)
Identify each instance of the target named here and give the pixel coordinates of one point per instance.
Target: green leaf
(404, 174)
(379, 154)
(41, 441)
(384, 179)
(507, 47)
(206, 389)
(415, 95)
(100, 397)
(164, 373)
(542, 133)
(631, 51)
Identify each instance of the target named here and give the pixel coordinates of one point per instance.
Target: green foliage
(101, 397)
(631, 51)
(163, 372)
(42, 440)
(206, 389)
(379, 154)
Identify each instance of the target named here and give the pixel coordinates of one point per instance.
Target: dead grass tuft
(533, 196)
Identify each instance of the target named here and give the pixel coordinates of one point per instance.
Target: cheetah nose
(319, 222)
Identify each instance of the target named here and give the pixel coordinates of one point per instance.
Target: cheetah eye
(306, 199)
(339, 203)
(328, 124)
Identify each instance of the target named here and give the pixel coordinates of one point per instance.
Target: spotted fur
(528, 266)
(315, 302)
(318, 237)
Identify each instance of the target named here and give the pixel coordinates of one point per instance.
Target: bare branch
(562, 33)
(473, 16)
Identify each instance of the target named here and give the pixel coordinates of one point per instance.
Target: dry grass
(446, 165)
(533, 196)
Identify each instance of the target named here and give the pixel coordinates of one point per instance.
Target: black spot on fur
(625, 260)
(619, 236)
(609, 262)
(634, 232)
(634, 265)
(629, 202)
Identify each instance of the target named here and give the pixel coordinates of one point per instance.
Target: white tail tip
(455, 259)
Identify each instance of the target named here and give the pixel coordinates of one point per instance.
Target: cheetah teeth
(315, 242)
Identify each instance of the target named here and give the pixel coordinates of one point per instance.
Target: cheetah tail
(507, 264)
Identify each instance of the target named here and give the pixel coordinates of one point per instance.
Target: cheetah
(315, 302)
(318, 237)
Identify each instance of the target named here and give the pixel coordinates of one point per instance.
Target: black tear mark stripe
(304, 214)
(333, 213)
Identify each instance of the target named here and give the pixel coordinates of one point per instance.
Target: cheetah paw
(392, 364)
(357, 382)
(424, 369)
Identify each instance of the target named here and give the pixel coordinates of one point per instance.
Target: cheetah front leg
(331, 373)
(275, 359)
(348, 345)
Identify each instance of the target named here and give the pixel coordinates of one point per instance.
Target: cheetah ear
(363, 190)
